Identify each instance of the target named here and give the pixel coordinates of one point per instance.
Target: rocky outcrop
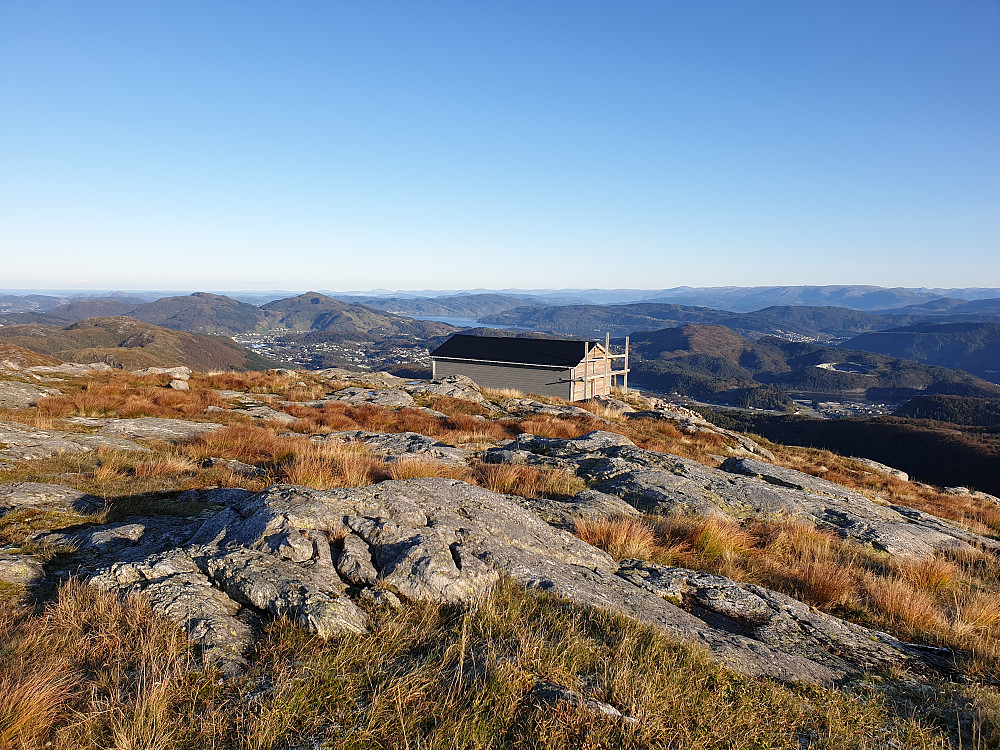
(176, 373)
(553, 694)
(661, 483)
(308, 554)
(780, 622)
(454, 386)
(882, 468)
(20, 570)
(19, 442)
(16, 395)
(612, 404)
(390, 397)
(38, 496)
(265, 413)
(178, 589)
(528, 407)
(155, 428)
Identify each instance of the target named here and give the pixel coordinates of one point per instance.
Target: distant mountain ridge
(206, 313)
(457, 305)
(463, 302)
(825, 323)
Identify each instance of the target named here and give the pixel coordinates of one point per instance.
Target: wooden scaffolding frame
(609, 375)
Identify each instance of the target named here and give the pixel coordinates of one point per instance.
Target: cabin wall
(538, 380)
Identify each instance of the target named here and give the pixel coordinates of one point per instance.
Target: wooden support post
(586, 368)
(607, 363)
(625, 374)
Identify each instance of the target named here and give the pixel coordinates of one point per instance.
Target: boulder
(611, 404)
(553, 694)
(882, 468)
(178, 385)
(453, 386)
(266, 414)
(20, 570)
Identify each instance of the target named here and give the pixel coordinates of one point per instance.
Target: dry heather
(85, 670)
(949, 600)
(979, 515)
(91, 671)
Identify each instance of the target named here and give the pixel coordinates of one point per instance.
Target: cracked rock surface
(308, 554)
(778, 621)
(158, 428)
(20, 442)
(661, 483)
(391, 397)
(39, 496)
(16, 395)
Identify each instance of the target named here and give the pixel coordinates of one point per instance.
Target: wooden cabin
(573, 370)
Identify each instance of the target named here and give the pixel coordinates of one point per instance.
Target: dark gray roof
(551, 352)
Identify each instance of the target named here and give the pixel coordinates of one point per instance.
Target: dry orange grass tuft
(664, 436)
(526, 481)
(499, 394)
(978, 514)
(710, 538)
(932, 573)
(127, 396)
(249, 443)
(622, 538)
(165, 465)
(31, 699)
(977, 613)
(93, 666)
(897, 599)
(415, 468)
(323, 466)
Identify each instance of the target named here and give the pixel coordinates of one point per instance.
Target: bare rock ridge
(661, 483)
(315, 555)
(309, 554)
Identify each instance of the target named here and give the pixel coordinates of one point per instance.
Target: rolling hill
(218, 314)
(973, 347)
(711, 361)
(317, 312)
(129, 343)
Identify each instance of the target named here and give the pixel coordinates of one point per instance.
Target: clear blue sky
(353, 145)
